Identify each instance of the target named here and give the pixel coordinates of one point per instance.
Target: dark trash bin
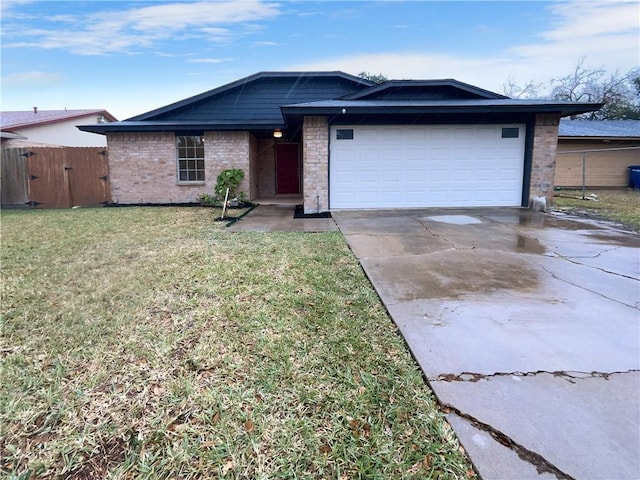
(634, 176)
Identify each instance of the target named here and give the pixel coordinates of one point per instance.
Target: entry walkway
(279, 218)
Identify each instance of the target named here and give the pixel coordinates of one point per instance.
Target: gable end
(447, 89)
(258, 97)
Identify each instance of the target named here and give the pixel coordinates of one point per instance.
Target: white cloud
(7, 5)
(33, 78)
(310, 14)
(265, 43)
(126, 31)
(575, 20)
(209, 60)
(413, 65)
(604, 33)
(178, 16)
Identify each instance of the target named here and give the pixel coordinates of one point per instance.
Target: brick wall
(315, 164)
(143, 169)
(543, 164)
(253, 167)
(266, 167)
(225, 150)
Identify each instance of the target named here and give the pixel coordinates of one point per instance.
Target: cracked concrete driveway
(527, 327)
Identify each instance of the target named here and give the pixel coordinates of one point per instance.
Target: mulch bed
(299, 213)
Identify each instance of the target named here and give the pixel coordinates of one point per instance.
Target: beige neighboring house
(619, 142)
(38, 128)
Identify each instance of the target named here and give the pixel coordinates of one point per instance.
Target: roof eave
(608, 138)
(123, 127)
(561, 110)
(9, 135)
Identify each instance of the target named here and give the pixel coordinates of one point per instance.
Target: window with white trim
(190, 149)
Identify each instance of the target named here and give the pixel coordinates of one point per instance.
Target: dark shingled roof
(257, 98)
(599, 128)
(269, 100)
(445, 89)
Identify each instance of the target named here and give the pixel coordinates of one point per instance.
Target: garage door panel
(416, 176)
(391, 176)
(423, 166)
(415, 196)
(413, 135)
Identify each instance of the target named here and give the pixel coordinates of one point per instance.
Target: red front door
(287, 168)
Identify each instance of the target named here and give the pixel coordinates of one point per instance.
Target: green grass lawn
(153, 343)
(621, 206)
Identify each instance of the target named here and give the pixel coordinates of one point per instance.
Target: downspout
(530, 127)
(328, 168)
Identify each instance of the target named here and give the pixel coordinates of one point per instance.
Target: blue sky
(132, 56)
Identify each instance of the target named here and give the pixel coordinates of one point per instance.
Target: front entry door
(287, 168)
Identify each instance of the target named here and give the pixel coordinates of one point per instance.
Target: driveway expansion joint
(569, 376)
(571, 259)
(439, 237)
(582, 286)
(541, 464)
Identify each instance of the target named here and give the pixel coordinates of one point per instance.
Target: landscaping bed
(153, 343)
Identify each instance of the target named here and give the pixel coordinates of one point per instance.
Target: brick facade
(252, 191)
(543, 164)
(224, 150)
(143, 166)
(315, 164)
(266, 168)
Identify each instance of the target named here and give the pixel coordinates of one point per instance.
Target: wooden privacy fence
(51, 177)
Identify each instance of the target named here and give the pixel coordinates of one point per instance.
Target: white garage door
(426, 166)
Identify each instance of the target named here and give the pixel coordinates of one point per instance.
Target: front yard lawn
(153, 343)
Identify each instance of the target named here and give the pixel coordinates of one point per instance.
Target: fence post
(584, 174)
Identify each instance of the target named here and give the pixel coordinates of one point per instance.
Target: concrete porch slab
(279, 218)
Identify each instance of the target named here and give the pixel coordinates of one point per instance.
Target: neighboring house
(51, 128)
(342, 142)
(607, 168)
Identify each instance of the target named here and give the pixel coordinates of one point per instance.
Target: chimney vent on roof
(35, 109)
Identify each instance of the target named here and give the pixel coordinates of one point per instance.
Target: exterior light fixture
(277, 133)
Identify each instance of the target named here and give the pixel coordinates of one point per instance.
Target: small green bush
(207, 200)
(231, 179)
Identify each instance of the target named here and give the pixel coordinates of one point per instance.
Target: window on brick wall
(190, 158)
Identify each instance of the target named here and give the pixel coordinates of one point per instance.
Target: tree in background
(530, 89)
(376, 78)
(619, 93)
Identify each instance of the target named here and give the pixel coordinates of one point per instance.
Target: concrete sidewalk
(279, 218)
(527, 327)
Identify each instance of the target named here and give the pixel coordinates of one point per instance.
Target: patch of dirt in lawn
(109, 455)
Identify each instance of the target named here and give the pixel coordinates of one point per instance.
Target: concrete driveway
(527, 327)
